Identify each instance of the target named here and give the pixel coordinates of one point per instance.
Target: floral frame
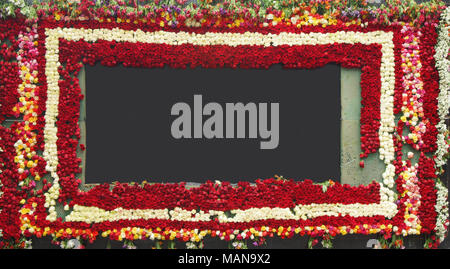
(408, 200)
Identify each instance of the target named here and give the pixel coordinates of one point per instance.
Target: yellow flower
(24, 211)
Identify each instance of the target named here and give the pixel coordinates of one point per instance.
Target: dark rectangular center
(194, 125)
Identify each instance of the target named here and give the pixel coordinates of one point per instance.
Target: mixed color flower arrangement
(401, 49)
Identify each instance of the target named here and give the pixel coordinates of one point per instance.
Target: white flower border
(387, 207)
(441, 206)
(443, 65)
